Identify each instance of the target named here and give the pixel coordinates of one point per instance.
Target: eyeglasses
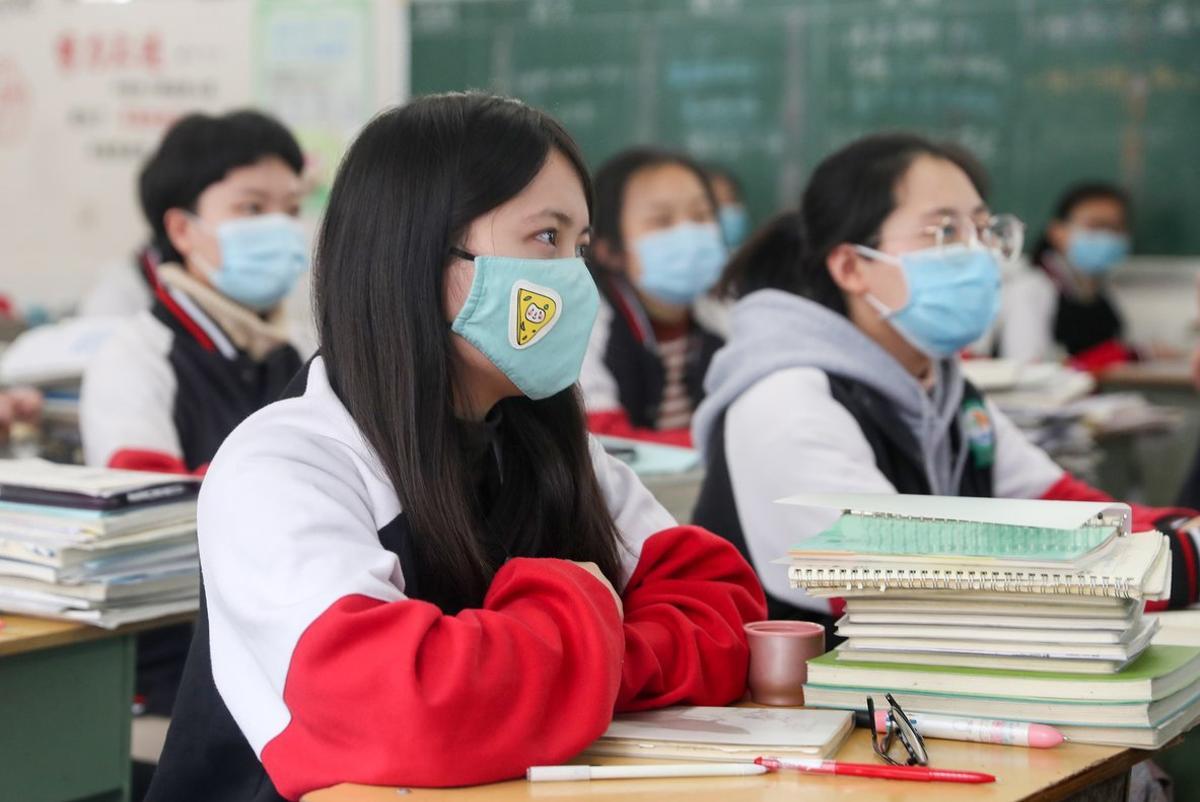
(1003, 233)
(899, 727)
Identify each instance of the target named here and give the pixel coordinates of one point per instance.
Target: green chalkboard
(1045, 92)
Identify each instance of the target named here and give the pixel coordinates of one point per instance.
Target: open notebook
(733, 734)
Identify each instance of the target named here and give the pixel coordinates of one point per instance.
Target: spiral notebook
(896, 542)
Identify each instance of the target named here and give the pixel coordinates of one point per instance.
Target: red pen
(912, 773)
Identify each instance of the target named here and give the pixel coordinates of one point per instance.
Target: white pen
(569, 773)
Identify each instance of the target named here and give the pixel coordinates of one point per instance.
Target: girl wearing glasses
(418, 567)
(841, 373)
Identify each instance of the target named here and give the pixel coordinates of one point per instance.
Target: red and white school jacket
(316, 662)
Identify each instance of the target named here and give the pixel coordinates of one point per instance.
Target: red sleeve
(1185, 556)
(1100, 357)
(132, 459)
(684, 609)
(616, 423)
(399, 694)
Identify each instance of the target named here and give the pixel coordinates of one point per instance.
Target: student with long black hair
(841, 373)
(657, 249)
(419, 569)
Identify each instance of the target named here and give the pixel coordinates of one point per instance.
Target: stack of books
(994, 608)
(94, 545)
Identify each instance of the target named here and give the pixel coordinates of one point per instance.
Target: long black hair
(613, 178)
(197, 152)
(406, 192)
(1075, 195)
(849, 196)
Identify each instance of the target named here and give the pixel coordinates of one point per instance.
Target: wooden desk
(1162, 374)
(1045, 775)
(1150, 468)
(65, 709)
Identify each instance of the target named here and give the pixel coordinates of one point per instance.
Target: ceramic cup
(779, 651)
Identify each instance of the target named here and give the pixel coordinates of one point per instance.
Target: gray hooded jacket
(773, 330)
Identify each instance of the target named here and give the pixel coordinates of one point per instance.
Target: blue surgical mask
(681, 263)
(735, 224)
(262, 257)
(953, 296)
(532, 319)
(1096, 252)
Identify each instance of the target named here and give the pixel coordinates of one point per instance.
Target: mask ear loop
(884, 311)
(210, 270)
(461, 254)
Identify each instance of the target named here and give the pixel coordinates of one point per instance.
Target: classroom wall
(87, 88)
(1160, 299)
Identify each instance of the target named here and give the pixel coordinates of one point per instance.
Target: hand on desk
(22, 405)
(595, 571)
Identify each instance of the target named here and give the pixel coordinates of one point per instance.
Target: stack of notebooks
(94, 545)
(994, 608)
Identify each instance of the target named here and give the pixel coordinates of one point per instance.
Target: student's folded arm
(685, 607)
(334, 675)
(1023, 470)
(686, 594)
(127, 402)
(616, 423)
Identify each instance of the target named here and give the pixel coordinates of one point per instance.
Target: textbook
(1145, 724)
(157, 556)
(65, 526)
(1160, 672)
(1075, 665)
(1084, 625)
(35, 481)
(1056, 712)
(725, 733)
(933, 631)
(979, 601)
(94, 545)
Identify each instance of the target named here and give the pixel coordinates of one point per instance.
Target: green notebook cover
(1155, 662)
(877, 534)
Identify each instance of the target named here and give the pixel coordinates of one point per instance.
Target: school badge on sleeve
(980, 432)
(534, 312)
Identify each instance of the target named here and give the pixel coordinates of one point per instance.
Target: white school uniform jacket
(317, 661)
(173, 381)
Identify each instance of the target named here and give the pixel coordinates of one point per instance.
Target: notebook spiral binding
(998, 581)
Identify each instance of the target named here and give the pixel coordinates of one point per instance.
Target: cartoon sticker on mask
(535, 310)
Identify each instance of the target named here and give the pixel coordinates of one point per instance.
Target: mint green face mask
(532, 318)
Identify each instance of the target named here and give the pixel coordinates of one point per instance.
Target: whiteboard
(87, 89)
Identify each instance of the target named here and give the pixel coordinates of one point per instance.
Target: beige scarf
(256, 336)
